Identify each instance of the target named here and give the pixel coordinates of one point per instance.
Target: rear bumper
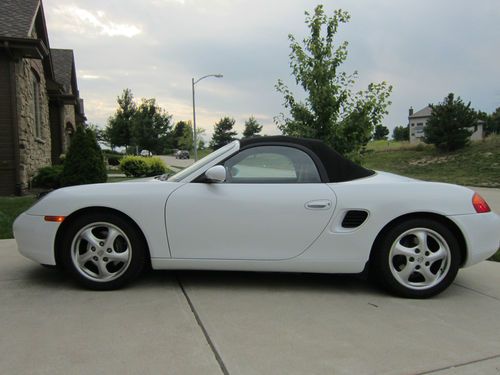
(35, 238)
(482, 235)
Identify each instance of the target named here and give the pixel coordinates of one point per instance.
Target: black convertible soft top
(337, 167)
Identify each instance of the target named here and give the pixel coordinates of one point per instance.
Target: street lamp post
(194, 82)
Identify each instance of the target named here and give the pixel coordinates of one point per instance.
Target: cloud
(155, 47)
(82, 21)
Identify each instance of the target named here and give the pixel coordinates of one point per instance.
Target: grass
(10, 208)
(476, 165)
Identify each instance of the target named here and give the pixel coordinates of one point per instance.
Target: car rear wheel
(418, 258)
(103, 251)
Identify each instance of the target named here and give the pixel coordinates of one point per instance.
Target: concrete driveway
(245, 323)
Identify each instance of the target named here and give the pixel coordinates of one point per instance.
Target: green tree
(495, 120)
(332, 111)
(492, 122)
(178, 133)
(381, 132)
(84, 163)
(401, 133)
(151, 126)
(223, 133)
(101, 134)
(448, 128)
(252, 128)
(118, 131)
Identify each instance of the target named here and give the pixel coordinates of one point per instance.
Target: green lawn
(476, 165)
(10, 208)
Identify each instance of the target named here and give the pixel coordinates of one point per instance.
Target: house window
(37, 110)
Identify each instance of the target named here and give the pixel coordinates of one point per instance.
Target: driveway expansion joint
(216, 354)
(459, 365)
(477, 291)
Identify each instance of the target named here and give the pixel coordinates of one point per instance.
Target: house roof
(63, 61)
(424, 112)
(17, 17)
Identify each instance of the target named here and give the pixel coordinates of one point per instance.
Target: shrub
(139, 166)
(133, 166)
(84, 163)
(48, 177)
(156, 166)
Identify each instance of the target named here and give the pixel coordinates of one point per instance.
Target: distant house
(39, 100)
(418, 120)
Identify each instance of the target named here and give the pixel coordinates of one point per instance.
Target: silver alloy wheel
(419, 258)
(101, 252)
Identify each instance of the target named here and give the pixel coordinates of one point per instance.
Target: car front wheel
(103, 251)
(418, 258)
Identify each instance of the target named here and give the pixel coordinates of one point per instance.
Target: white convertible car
(265, 204)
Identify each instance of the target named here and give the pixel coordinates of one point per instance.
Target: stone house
(418, 120)
(39, 99)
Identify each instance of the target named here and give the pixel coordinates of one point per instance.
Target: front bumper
(482, 235)
(35, 238)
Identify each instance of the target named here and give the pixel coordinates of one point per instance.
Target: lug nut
(105, 259)
(412, 259)
(427, 253)
(427, 264)
(92, 248)
(101, 243)
(417, 251)
(417, 267)
(96, 258)
(108, 250)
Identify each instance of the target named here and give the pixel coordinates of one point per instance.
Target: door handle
(319, 205)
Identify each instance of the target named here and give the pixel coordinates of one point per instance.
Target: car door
(273, 205)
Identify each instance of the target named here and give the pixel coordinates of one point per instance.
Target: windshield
(201, 163)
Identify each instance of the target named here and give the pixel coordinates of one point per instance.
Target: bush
(48, 177)
(139, 166)
(84, 163)
(133, 166)
(156, 166)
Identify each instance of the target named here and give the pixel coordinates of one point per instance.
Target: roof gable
(17, 17)
(64, 69)
(424, 112)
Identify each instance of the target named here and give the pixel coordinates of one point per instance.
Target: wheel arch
(422, 215)
(88, 210)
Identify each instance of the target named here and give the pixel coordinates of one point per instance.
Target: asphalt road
(245, 323)
(171, 160)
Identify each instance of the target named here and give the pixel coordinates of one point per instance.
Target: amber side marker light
(480, 204)
(55, 219)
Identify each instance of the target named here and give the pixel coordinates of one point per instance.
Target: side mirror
(217, 173)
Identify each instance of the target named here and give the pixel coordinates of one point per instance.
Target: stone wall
(35, 152)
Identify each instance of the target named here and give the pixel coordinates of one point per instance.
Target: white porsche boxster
(275, 204)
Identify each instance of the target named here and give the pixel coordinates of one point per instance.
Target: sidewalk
(243, 323)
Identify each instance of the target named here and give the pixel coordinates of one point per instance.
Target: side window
(271, 164)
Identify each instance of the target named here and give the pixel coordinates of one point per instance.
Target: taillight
(480, 204)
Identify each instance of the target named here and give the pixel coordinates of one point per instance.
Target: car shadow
(340, 283)
(278, 281)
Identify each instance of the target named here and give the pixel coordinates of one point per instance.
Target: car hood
(66, 200)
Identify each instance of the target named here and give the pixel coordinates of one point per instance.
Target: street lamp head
(218, 75)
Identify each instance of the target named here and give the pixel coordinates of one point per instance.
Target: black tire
(403, 246)
(123, 256)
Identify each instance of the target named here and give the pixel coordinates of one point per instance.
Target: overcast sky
(424, 48)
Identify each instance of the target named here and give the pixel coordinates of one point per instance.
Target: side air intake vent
(354, 219)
